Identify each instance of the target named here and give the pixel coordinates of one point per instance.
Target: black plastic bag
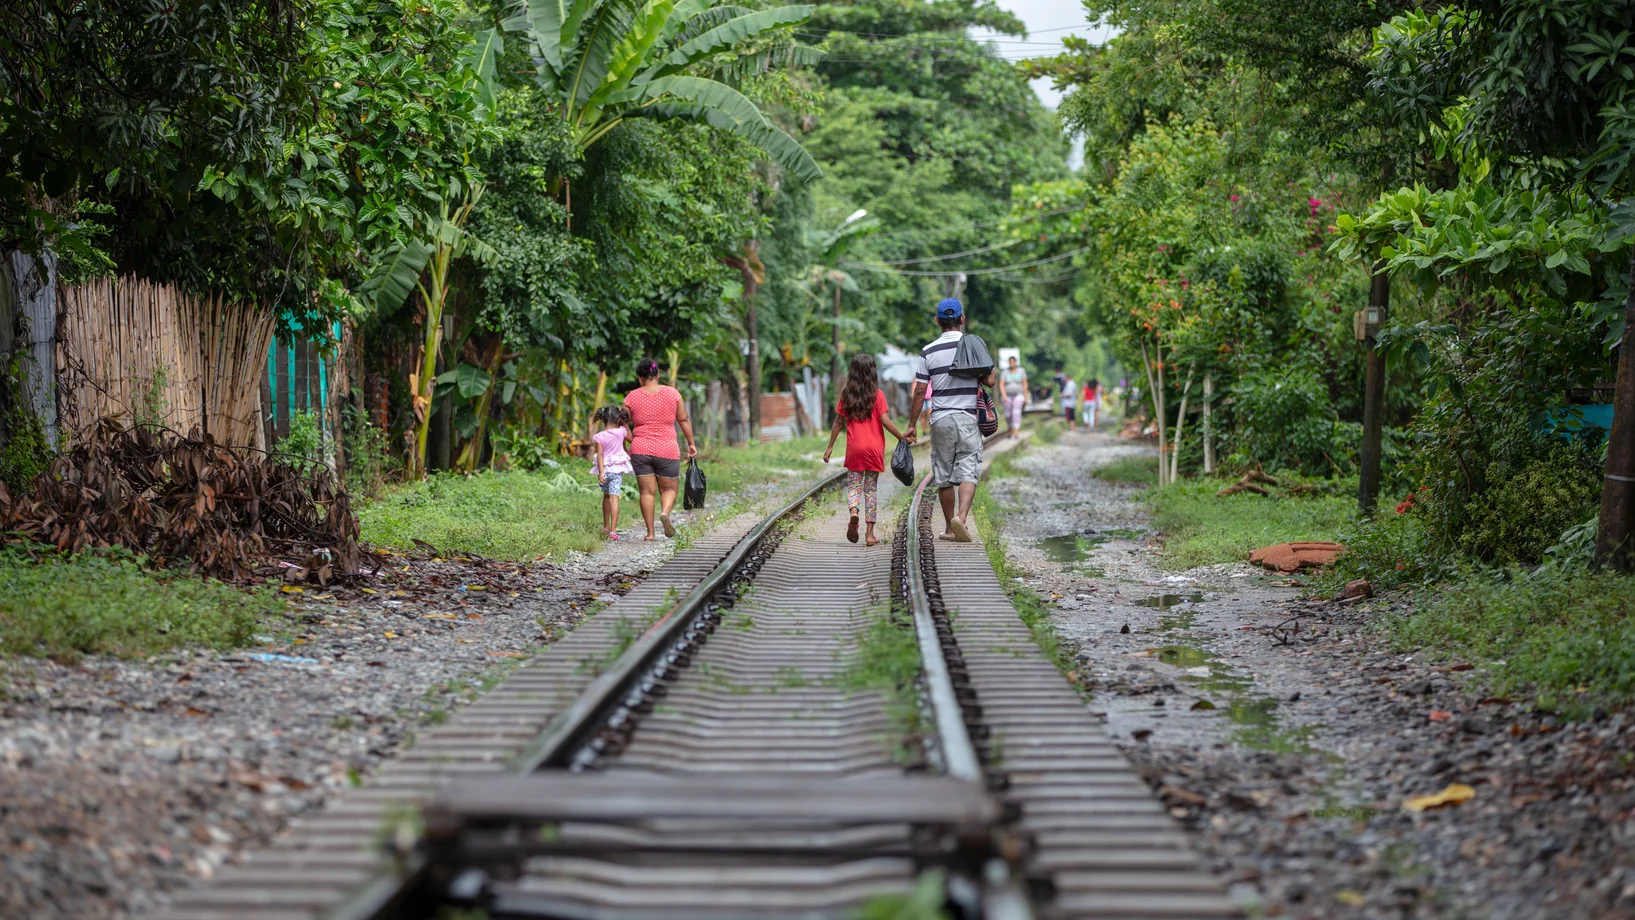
(692, 496)
(902, 463)
(971, 358)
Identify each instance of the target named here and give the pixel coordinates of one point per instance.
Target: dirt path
(1287, 735)
(121, 781)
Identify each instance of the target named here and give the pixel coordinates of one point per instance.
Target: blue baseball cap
(950, 309)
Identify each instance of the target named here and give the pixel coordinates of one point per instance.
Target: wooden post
(1368, 480)
(1209, 430)
(1612, 537)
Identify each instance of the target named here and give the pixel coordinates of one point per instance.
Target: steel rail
(959, 756)
(573, 726)
(587, 714)
(1002, 896)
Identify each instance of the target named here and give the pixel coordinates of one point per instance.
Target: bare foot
(649, 538)
(871, 541)
(669, 528)
(851, 530)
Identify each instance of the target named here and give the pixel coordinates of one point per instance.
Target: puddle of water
(1258, 728)
(1071, 550)
(1166, 601)
(1256, 717)
(1181, 622)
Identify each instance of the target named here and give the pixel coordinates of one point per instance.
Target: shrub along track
(812, 726)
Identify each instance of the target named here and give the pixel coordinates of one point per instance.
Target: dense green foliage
(101, 603)
(1564, 638)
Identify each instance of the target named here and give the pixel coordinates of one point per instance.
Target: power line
(1082, 25)
(971, 271)
(951, 255)
(975, 225)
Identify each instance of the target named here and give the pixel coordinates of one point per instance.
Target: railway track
(776, 724)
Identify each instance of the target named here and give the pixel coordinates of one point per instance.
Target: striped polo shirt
(949, 394)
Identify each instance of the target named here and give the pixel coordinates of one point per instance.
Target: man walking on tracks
(956, 445)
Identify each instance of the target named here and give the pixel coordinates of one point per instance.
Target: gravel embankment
(1287, 736)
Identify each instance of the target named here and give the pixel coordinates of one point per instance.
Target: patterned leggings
(863, 491)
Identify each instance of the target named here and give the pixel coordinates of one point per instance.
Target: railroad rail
(739, 738)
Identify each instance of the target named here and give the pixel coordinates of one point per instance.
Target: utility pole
(1612, 535)
(1379, 301)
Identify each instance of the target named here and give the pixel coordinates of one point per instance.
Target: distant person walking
(861, 413)
(1065, 391)
(655, 410)
(1013, 391)
(956, 444)
(1092, 401)
(612, 462)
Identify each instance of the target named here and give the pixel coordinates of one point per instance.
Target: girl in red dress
(862, 413)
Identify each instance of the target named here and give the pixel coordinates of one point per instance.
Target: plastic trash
(693, 494)
(293, 660)
(902, 463)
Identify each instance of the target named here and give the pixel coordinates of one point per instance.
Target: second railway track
(723, 747)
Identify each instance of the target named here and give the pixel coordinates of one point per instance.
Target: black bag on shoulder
(902, 463)
(692, 496)
(971, 359)
(987, 415)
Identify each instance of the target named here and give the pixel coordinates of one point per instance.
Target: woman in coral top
(655, 410)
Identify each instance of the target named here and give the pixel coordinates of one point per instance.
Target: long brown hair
(862, 382)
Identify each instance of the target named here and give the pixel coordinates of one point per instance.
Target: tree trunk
(1612, 538)
(1157, 398)
(1368, 481)
(836, 370)
(752, 362)
(1209, 431)
(1180, 425)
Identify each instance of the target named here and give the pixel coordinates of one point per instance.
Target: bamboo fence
(134, 350)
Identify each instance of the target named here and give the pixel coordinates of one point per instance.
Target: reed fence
(138, 351)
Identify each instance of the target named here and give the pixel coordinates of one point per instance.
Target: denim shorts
(615, 482)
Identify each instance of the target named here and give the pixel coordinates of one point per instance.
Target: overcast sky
(1047, 21)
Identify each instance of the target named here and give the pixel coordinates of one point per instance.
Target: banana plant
(609, 60)
(424, 267)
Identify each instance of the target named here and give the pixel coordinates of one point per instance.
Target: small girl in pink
(612, 462)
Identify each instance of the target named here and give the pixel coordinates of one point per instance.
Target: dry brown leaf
(1454, 794)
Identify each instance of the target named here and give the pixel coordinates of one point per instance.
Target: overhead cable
(952, 255)
(977, 224)
(968, 271)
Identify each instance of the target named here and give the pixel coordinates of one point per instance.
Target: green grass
(1142, 470)
(108, 603)
(503, 515)
(886, 659)
(732, 469)
(1201, 528)
(1563, 638)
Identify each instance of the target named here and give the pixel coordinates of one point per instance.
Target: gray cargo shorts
(956, 450)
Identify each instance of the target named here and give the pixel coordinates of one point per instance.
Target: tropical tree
(605, 61)
(825, 271)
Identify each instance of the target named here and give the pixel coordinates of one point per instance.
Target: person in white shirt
(956, 444)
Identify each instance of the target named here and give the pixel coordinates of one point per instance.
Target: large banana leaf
(545, 19)
(481, 57)
(784, 150)
(603, 29)
(395, 277)
(684, 12)
(729, 34)
(631, 53)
